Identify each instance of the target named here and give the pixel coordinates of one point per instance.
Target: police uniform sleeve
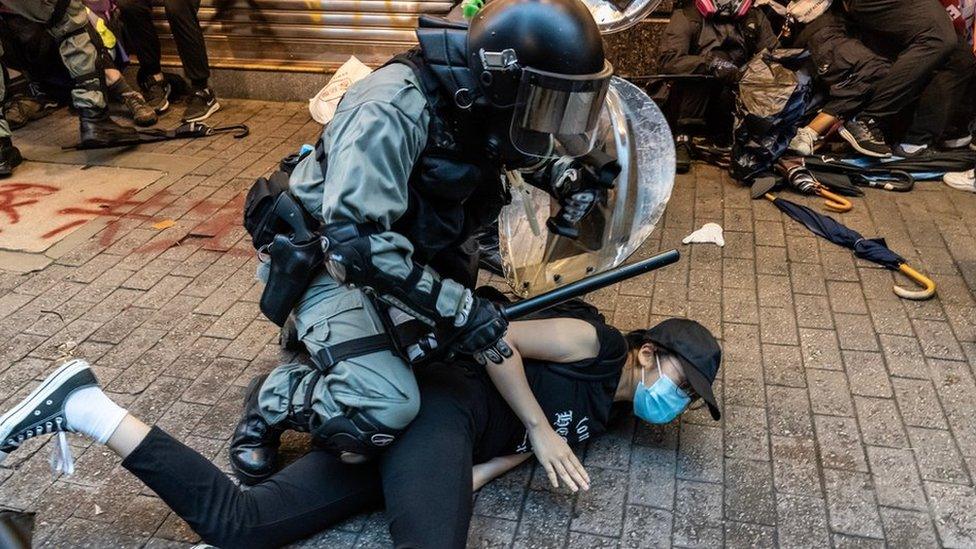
(372, 146)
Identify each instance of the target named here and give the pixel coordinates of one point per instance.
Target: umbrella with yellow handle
(871, 249)
(800, 178)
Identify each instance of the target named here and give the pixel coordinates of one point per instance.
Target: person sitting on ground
(932, 65)
(575, 365)
(711, 39)
(847, 68)
(142, 39)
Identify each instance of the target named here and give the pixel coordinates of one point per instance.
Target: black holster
(288, 235)
(293, 264)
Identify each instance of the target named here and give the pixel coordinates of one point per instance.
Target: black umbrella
(871, 249)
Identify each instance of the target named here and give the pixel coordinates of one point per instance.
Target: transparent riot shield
(633, 130)
(616, 15)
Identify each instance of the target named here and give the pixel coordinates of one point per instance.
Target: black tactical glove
(721, 66)
(481, 335)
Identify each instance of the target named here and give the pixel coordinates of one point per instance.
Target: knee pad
(358, 433)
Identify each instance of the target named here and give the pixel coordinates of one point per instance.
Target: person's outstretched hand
(557, 458)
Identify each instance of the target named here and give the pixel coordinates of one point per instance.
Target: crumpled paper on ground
(322, 107)
(709, 232)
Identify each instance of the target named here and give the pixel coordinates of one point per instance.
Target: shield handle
(925, 282)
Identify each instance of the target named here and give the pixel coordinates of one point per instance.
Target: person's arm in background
(676, 56)
(767, 39)
(554, 340)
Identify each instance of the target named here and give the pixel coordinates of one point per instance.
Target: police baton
(587, 285)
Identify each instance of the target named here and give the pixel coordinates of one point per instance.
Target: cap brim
(702, 386)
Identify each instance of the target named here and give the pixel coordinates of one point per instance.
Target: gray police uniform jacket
(371, 145)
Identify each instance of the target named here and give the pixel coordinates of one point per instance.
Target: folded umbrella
(871, 249)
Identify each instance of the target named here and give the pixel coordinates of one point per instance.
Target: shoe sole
(163, 108)
(49, 385)
(213, 108)
(853, 143)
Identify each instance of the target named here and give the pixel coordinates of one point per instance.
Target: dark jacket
(689, 40)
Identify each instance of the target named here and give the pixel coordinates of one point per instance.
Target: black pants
(30, 49)
(922, 36)
(424, 478)
(143, 41)
(945, 106)
(700, 107)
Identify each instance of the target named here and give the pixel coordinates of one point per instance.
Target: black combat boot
(98, 130)
(9, 157)
(254, 446)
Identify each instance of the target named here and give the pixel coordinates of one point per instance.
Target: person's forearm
(483, 473)
(509, 378)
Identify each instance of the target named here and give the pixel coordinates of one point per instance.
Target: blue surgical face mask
(662, 401)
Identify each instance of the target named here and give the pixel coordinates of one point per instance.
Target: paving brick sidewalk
(850, 415)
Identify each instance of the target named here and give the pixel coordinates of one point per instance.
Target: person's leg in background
(68, 23)
(9, 154)
(924, 36)
(30, 50)
(687, 104)
(850, 70)
(143, 41)
(188, 35)
(941, 117)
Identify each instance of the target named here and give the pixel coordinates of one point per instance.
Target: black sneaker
(42, 412)
(202, 103)
(866, 137)
(156, 92)
(10, 157)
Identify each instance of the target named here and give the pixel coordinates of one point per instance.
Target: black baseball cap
(698, 351)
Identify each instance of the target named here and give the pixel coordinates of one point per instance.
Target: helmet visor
(556, 114)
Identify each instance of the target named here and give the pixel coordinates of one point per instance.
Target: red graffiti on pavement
(123, 206)
(17, 195)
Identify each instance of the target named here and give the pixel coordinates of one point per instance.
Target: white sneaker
(803, 141)
(963, 181)
(958, 143)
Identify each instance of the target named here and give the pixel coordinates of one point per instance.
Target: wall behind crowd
(303, 36)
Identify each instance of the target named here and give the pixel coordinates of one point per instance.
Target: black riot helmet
(541, 63)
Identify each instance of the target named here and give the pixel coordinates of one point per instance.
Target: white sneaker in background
(963, 181)
(803, 141)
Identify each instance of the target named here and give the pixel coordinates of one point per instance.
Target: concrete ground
(849, 414)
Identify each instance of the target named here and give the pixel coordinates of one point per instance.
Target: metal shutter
(300, 35)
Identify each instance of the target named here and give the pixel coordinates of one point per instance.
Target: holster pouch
(293, 264)
(258, 208)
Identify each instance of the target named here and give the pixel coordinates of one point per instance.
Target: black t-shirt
(577, 396)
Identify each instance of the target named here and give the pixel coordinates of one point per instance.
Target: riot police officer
(415, 160)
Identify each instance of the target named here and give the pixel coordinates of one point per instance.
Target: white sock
(90, 412)
(912, 149)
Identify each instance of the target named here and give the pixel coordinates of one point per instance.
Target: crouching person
(407, 170)
(711, 38)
